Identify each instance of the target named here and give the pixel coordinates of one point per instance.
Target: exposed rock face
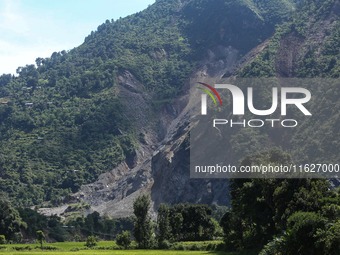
(172, 183)
(162, 168)
(161, 164)
(287, 56)
(294, 47)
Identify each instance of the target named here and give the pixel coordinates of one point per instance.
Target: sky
(36, 28)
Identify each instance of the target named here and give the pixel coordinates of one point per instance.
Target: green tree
(190, 222)
(10, 220)
(163, 221)
(197, 222)
(40, 237)
(177, 225)
(329, 239)
(302, 229)
(261, 207)
(124, 239)
(142, 227)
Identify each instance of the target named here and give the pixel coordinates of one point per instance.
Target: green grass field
(118, 252)
(105, 248)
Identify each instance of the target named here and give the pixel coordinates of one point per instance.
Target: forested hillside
(63, 121)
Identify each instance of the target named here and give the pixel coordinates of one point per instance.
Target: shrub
(275, 247)
(91, 241)
(21, 248)
(124, 239)
(165, 245)
(50, 248)
(77, 238)
(210, 247)
(2, 239)
(40, 237)
(194, 247)
(220, 247)
(179, 247)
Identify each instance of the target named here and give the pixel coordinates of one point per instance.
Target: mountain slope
(109, 103)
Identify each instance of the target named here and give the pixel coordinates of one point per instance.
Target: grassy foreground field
(105, 248)
(119, 252)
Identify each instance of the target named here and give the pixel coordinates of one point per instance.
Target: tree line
(272, 216)
(181, 222)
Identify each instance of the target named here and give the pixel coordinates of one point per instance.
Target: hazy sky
(36, 28)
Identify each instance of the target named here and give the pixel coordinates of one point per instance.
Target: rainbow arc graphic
(209, 93)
